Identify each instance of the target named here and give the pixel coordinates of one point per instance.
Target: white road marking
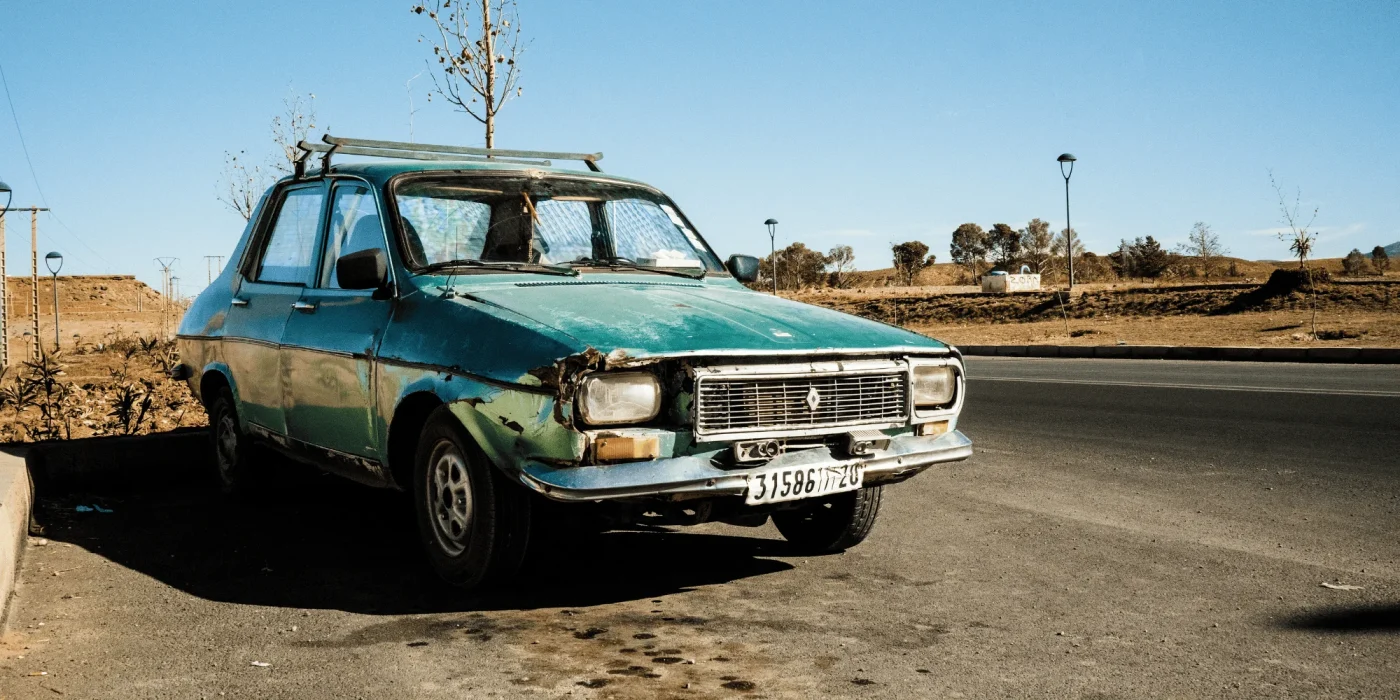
(1210, 387)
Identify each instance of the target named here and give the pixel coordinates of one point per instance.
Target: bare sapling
(243, 182)
(1300, 237)
(479, 62)
(1204, 244)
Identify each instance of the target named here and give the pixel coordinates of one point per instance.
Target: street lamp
(9, 195)
(1069, 231)
(54, 261)
(772, 225)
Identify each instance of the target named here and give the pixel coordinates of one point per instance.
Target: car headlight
(619, 397)
(934, 385)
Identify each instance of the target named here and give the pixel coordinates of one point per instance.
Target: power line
(34, 175)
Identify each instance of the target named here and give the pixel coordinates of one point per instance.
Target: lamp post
(1069, 231)
(9, 195)
(772, 225)
(54, 261)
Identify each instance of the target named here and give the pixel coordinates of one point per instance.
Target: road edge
(1189, 352)
(16, 499)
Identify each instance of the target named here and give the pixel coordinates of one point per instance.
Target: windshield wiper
(621, 263)
(538, 268)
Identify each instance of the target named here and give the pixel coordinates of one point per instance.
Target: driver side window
(355, 226)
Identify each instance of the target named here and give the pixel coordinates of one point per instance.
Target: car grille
(752, 404)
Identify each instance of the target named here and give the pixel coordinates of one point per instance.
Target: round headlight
(933, 385)
(619, 397)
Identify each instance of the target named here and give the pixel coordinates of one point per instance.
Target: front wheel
(831, 524)
(474, 524)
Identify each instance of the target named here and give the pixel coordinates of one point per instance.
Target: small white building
(1003, 283)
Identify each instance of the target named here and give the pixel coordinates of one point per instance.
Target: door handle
(303, 306)
(240, 301)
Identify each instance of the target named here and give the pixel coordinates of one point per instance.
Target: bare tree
(472, 59)
(1036, 244)
(1299, 237)
(291, 127)
(1203, 244)
(841, 259)
(241, 185)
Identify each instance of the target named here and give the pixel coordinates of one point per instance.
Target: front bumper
(695, 475)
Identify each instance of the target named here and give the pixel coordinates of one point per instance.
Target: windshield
(546, 222)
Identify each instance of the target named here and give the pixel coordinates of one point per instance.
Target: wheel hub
(449, 497)
(227, 444)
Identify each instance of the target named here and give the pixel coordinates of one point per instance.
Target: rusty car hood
(652, 316)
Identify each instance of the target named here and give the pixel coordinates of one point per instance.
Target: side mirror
(743, 267)
(362, 269)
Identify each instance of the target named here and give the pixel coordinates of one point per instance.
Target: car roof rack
(423, 151)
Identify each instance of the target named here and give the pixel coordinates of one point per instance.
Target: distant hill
(1393, 249)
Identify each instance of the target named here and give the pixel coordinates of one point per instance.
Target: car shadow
(306, 539)
(1362, 619)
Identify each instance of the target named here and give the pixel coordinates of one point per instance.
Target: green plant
(131, 406)
(50, 393)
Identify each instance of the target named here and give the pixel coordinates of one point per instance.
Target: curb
(1378, 356)
(16, 497)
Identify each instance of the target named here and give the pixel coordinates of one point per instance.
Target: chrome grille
(751, 404)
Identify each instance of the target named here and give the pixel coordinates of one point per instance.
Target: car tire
(234, 453)
(473, 522)
(832, 524)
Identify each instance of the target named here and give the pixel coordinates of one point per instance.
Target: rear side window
(287, 258)
(355, 226)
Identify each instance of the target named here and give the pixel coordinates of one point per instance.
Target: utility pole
(218, 262)
(165, 264)
(4, 301)
(33, 276)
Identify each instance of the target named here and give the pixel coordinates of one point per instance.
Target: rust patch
(564, 372)
(562, 378)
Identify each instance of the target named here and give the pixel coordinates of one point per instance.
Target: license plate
(792, 483)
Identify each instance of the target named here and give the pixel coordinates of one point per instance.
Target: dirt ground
(110, 377)
(1349, 314)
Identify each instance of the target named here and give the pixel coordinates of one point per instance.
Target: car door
(331, 338)
(279, 266)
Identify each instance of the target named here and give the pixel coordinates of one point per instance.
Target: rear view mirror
(743, 267)
(362, 269)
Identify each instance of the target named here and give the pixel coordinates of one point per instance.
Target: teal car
(501, 338)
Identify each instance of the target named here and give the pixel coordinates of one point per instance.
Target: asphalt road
(1126, 529)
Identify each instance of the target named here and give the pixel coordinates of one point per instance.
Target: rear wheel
(831, 524)
(232, 449)
(474, 523)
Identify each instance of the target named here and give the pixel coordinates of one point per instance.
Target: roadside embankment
(1188, 352)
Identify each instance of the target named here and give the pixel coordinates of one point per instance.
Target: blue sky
(858, 123)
